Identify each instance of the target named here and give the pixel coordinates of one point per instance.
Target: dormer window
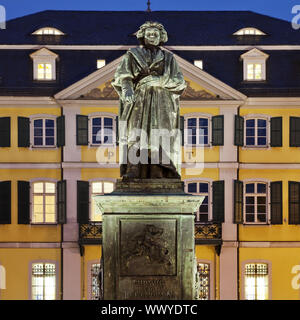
(48, 31)
(44, 65)
(198, 63)
(249, 32)
(254, 62)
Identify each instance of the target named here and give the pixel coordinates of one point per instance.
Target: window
(98, 188)
(256, 281)
(254, 65)
(201, 188)
(100, 63)
(255, 202)
(198, 63)
(43, 202)
(43, 279)
(44, 132)
(198, 131)
(102, 130)
(95, 289)
(204, 280)
(48, 31)
(44, 65)
(249, 31)
(2, 278)
(256, 133)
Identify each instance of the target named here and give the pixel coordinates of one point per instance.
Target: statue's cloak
(157, 83)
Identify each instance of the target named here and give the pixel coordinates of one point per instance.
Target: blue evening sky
(276, 8)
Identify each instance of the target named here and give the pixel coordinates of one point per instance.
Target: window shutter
(23, 132)
(238, 201)
(239, 130)
(23, 202)
(83, 201)
(276, 202)
(117, 130)
(82, 138)
(60, 131)
(182, 129)
(294, 202)
(61, 201)
(218, 201)
(294, 132)
(276, 132)
(218, 130)
(5, 202)
(5, 132)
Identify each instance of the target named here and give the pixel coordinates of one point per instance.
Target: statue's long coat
(157, 83)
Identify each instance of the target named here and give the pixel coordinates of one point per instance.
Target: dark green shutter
(276, 202)
(60, 131)
(117, 130)
(23, 202)
(182, 129)
(239, 131)
(276, 132)
(294, 132)
(218, 130)
(218, 201)
(61, 201)
(294, 202)
(238, 201)
(5, 132)
(82, 123)
(23, 132)
(83, 201)
(5, 202)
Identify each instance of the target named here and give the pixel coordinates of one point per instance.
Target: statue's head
(152, 33)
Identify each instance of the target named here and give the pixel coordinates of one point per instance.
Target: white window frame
(2, 277)
(31, 201)
(268, 129)
(209, 182)
(243, 265)
(43, 32)
(252, 32)
(211, 277)
(44, 56)
(254, 56)
(268, 205)
(102, 180)
(197, 116)
(57, 273)
(102, 115)
(42, 117)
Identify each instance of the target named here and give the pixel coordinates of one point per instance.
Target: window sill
(256, 147)
(44, 224)
(101, 145)
(43, 147)
(256, 224)
(199, 146)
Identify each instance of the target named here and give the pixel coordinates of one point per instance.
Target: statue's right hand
(129, 96)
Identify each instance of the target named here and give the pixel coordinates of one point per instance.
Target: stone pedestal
(148, 241)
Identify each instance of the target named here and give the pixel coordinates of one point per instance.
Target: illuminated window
(44, 132)
(98, 188)
(256, 133)
(198, 131)
(256, 209)
(44, 71)
(100, 63)
(44, 65)
(201, 188)
(43, 280)
(44, 202)
(198, 63)
(48, 31)
(256, 281)
(95, 269)
(204, 279)
(254, 62)
(249, 31)
(102, 130)
(254, 71)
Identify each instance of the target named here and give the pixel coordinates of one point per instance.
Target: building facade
(240, 122)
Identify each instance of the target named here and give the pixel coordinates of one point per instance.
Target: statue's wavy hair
(140, 34)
